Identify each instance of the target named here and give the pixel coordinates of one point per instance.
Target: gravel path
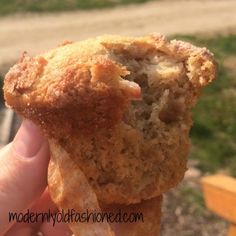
(35, 33)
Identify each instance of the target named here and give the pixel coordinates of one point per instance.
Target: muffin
(116, 111)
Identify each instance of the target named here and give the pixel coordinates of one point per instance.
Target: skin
(23, 184)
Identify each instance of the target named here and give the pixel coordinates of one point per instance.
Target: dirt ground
(36, 33)
(184, 213)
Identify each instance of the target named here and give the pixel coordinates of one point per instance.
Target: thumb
(23, 172)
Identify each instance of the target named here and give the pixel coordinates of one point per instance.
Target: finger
(59, 229)
(43, 205)
(20, 230)
(23, 173)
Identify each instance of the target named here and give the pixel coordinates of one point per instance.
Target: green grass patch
(16, 6)
(214, 132)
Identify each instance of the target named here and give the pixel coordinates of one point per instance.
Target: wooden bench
(220, 197)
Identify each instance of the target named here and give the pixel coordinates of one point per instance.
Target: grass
(214, 132)
(16, 6)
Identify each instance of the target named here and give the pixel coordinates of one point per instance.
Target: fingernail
(28, 139)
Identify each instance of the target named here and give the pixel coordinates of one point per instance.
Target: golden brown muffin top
(81, 85)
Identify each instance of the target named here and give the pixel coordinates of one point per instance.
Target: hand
(23, 181)
(23, 186)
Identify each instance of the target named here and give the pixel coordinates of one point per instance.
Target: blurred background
(38, 25)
